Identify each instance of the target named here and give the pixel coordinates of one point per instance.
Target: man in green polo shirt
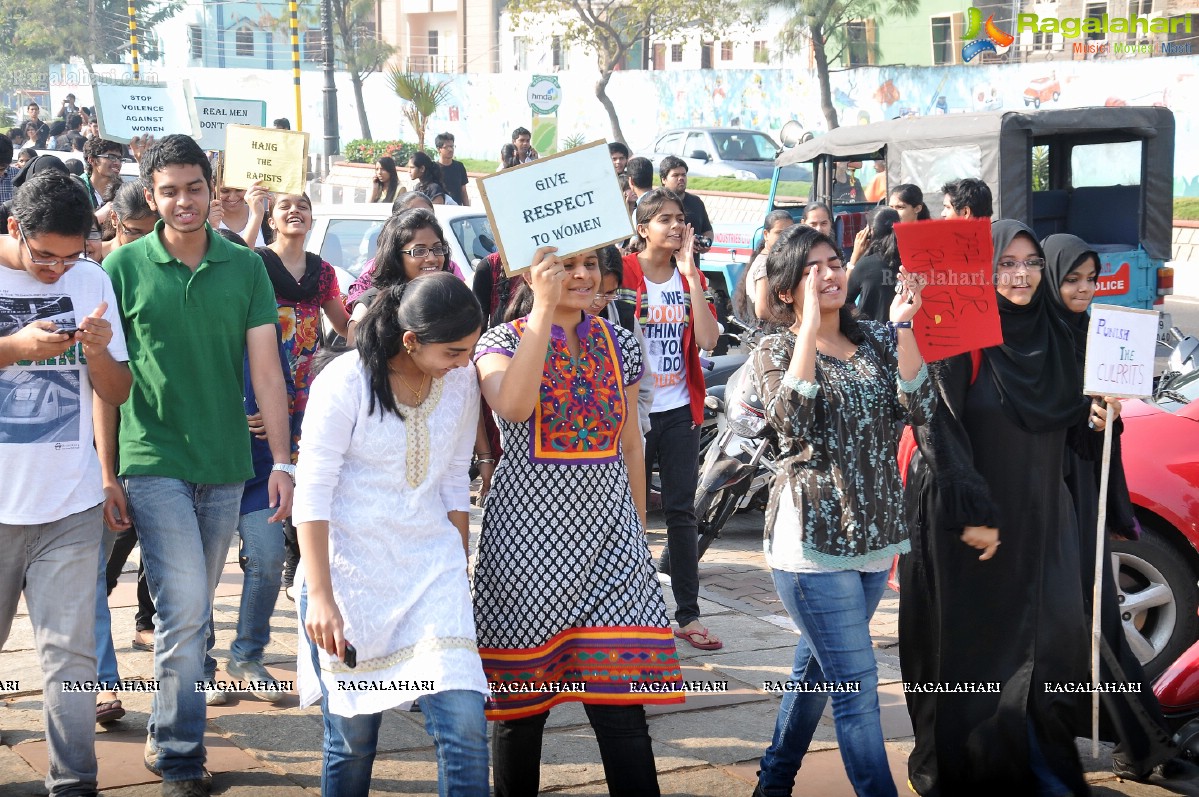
(192, 306)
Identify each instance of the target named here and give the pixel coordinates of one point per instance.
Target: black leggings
(624, 743)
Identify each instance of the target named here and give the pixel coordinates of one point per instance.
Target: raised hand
(907, 299)
(546, 278)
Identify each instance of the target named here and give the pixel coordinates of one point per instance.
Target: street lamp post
(332, 145)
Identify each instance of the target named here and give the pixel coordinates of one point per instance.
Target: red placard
(959, 312)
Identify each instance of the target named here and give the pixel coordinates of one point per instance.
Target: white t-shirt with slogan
(46, 449)
(666, 321)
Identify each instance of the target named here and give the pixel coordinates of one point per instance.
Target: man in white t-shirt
(61, 343)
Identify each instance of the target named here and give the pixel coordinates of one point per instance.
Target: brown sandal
(109, 711)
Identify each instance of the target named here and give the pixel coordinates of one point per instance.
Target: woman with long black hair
(671, 296)
(411, 243)
(872, 281)
(427, 174)
(382, 508)
(386, 183)
(834, 388)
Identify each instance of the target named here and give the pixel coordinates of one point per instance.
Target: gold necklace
(418, 393)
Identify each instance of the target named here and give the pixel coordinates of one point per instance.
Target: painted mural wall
(484, 108)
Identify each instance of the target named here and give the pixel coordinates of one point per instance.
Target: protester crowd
(161, 355)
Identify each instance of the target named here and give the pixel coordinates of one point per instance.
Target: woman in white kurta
(382, 506)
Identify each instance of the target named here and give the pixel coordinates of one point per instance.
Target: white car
(346, 236)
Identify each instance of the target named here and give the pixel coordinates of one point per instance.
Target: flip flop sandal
(109, 711)
(703, 642)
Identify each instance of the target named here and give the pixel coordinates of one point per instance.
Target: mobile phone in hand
(351, 657)
(66, 331)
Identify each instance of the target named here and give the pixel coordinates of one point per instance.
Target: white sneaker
(215, 697)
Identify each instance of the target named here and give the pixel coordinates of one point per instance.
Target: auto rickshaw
(1104, 174)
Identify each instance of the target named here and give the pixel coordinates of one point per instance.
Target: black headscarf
(1063, 254)
(1039, 382)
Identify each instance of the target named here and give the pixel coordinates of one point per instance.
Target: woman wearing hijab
(1133, 720)
(991, 607)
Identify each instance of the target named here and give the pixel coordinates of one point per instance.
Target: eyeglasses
(111, 157)
(65, 262)
(425, 251)
(1032, 264)
(604, 298)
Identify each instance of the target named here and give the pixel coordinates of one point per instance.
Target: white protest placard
(128, 108)
(277, 158)
(571, 200)
(215, 114)
(1121, 346)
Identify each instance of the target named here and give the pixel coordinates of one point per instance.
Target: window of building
(245, 42)
(676, 53)
(860, 45)
(520, 53)
(1142, 8)
(761, 53)
(1042, 40)
(706, 50)
(726, 51)
(434, 41)
(556, 52)
(1096, 11)
(659, 58)
(944, 50)
(196, 35)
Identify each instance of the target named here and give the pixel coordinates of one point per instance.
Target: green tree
(611, 28)
(422, 99)
(825, 26)
(95, 30)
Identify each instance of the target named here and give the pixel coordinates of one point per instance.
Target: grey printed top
(838, 441)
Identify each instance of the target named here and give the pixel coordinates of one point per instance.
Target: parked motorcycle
(737, 465)
(1177, 690)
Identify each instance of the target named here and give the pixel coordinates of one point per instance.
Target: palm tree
(423, 98)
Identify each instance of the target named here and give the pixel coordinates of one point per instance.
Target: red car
(1158, 573)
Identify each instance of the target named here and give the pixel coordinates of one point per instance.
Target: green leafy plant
(362, 150)
(423, 98)
(577, 140)
(1040, 168)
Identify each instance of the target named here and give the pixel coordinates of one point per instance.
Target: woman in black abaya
(991, 593)
(1133, 720)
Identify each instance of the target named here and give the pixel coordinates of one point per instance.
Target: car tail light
(1165, 283)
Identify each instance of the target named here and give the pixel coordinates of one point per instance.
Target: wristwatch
(286, 467)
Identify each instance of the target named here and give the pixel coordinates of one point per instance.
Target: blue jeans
(453, 718)
(106, 655)
(185, 530)
(833, 613)
(52, 563)
(261, 555)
